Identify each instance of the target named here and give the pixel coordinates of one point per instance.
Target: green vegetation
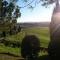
(14, 51)
(41, 33)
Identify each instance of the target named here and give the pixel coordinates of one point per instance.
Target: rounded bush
(30, 46)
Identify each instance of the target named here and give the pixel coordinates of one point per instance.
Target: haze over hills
(34, 24)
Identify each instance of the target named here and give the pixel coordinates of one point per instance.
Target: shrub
(30, 46)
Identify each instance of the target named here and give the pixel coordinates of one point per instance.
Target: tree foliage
(9, 12)
(35, 2)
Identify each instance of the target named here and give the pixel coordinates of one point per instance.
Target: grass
(41, 33)
(43, 53)
(7, 57)
(14, 51)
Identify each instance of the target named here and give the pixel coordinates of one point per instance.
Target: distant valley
(39, 24)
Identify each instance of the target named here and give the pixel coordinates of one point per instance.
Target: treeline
(13, 31)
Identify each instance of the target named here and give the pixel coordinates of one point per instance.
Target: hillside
(39, 24)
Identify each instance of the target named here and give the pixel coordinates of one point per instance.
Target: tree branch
(27, 4)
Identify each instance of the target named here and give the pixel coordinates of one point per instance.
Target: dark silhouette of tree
(30, 46)
(54, 45)
(54, 49)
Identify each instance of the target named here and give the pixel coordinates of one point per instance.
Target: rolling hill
(38, 24)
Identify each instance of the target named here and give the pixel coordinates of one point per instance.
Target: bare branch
(27, 4)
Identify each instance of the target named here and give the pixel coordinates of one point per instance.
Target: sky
(38, 14)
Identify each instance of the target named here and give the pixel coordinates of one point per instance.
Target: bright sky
(38, 14)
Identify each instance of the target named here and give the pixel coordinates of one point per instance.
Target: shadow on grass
(44, 57)
(9, 54)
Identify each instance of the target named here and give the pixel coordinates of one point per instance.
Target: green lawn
(5, 49)
(41, 33)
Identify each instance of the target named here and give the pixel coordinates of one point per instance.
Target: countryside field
(42, 33)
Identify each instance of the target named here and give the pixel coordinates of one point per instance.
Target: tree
(9, 12)
(54, 45)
